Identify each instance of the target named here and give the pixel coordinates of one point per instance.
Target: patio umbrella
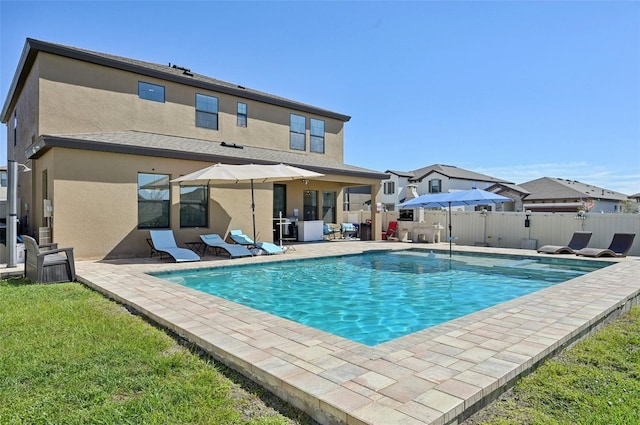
(246, 173)
(465, 197)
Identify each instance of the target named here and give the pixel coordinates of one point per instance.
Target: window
(206, 111)
(279, 200)
(242, 114)
(389, 188)
(194, 202)
(310, 205)
(329, 207)
(3, 179)
(297, 129)
(317, 135)
(435, 186)
(150, 91)
(153, 201)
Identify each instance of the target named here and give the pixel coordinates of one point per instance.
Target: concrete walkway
(436, 376)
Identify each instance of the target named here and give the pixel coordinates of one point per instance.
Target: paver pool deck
(436, 376)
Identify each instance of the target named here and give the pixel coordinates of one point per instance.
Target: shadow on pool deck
(436, 376)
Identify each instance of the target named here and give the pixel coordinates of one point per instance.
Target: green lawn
(70, 356)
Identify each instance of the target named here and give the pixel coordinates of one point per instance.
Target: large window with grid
(297, 130)
(206, 111)
(316, 128)
(150, 91)
(435, 186)
(194, 201)
(389, 188)
(153, 201)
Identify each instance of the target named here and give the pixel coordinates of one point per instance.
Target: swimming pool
(375, 297)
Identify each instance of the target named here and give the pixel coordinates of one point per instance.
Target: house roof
(152, 144)
(407, 174)
(453, 173)
(547, 188)
(509, 186)
(169, 72)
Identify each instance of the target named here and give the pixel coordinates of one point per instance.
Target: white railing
(507, 229)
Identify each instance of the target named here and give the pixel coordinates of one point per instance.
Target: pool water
(375, 297)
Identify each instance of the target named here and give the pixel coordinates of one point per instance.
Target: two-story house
(104, 136)
(436, 178)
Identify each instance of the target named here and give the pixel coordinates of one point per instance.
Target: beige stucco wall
(94, 198)
(79, 97)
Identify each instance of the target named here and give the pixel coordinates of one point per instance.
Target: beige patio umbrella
(247, 173)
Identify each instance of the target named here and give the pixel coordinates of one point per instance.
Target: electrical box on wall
(47, 208)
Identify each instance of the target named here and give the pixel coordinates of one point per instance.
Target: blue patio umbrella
(465, 197)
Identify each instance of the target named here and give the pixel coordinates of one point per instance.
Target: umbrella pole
(253, 211)
(450, 238)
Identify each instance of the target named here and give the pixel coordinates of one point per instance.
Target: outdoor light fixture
(527, 221)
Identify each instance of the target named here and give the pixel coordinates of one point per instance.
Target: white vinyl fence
(507, 229)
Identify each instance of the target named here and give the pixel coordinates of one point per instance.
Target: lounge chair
(348, 230)
(578, 241)
(619, 247)
(240, 238)
(218, 244)
(329, 231)
(47, 263)
(163, 242)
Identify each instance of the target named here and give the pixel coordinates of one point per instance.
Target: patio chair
(162, 242)
(619, 247)
(240, 238)
(392, 230)
(329, 232)
(218, 244)
(48, 265)
(348, 230)
(578, 241)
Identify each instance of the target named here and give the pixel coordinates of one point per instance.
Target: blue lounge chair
(218, 244)
(329, 231)
(578, 241)
(240, 238)
(163, 242)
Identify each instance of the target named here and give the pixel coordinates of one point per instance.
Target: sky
(514, 89)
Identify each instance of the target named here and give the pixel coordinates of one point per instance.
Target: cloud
(622, 180)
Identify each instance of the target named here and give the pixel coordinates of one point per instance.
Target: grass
(70, 356)
(597, 381)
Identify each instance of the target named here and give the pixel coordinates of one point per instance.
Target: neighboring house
(548, 194)
(435, 178)
(104, 135)
(515, 192)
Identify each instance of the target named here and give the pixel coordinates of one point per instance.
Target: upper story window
(435, 186)
(150, 91)
(297, 132)
(242, 114)
(317, 135)
(153, 201)
(206, 111)
(3, 179)
(389, 188)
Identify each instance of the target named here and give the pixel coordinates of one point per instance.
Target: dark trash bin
(365, 231)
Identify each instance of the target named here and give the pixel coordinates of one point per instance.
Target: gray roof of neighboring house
(448, 171)
(151, 144)
(558, 188)
(173, 73)
(510, 186)
(407, 174)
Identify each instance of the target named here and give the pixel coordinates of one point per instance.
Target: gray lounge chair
(619, 247)
(578, 241)
(218, 244)
(48, 265)
(163, 242)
